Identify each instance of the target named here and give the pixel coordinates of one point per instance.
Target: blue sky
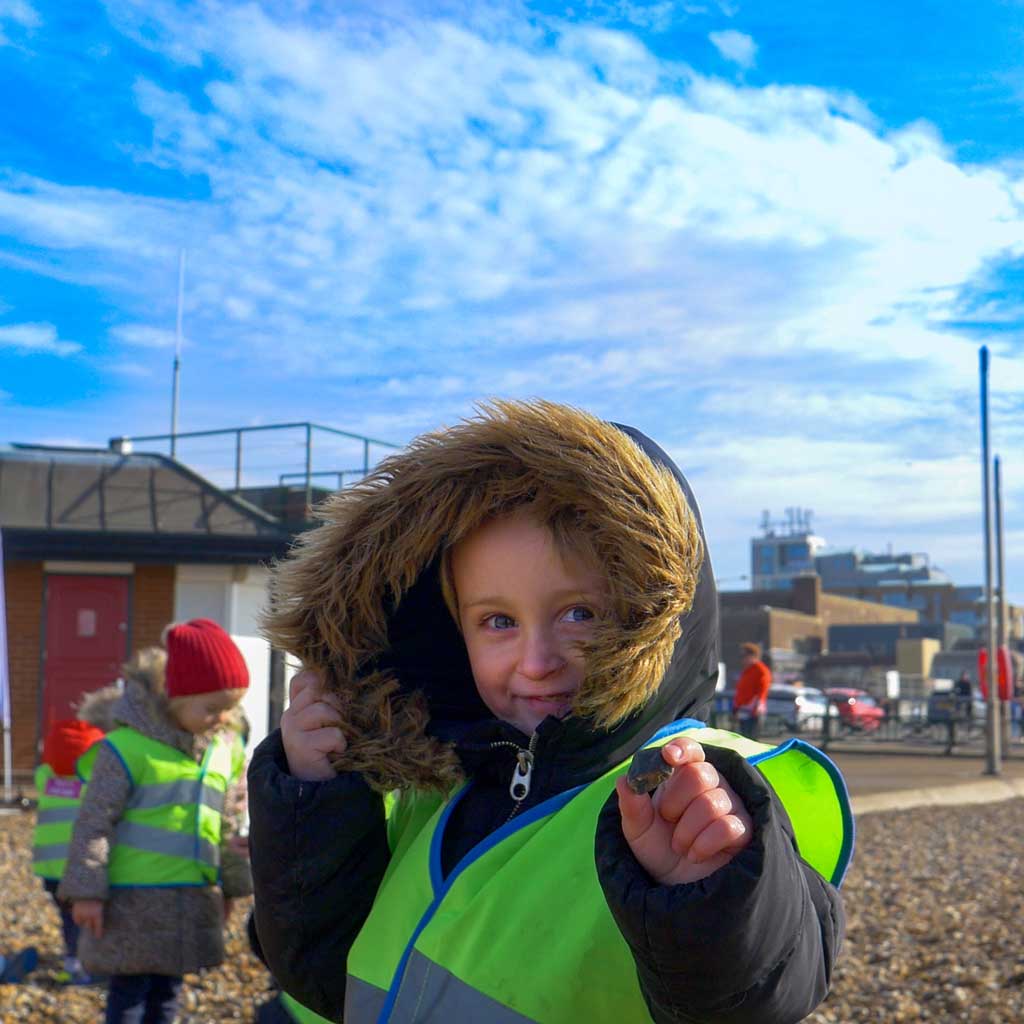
(772, 240)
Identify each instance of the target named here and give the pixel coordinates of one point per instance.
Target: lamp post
(992, 734)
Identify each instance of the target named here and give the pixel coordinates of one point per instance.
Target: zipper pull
(520, 787)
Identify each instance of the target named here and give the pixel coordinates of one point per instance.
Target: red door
(86, 639)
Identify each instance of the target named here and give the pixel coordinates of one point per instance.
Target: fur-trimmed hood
(359, 598)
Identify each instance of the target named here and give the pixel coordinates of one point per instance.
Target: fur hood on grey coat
(171, 930)
(359, 598)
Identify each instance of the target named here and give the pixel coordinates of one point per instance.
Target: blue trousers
(142, 998)
(67, 923)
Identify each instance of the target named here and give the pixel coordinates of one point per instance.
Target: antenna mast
(177, 351)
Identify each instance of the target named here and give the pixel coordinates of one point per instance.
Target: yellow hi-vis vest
(519, 931)
(60, 797)
(169, 834)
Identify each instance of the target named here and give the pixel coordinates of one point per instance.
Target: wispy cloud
(18, 15)
(391, 216)
(143, 335)
(36, 339)
(735, 46)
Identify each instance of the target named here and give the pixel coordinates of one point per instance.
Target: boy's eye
(500, 621)
(579, 613)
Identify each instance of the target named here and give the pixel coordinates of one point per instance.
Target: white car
(798, 707)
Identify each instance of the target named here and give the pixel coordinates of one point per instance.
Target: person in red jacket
(751, 691)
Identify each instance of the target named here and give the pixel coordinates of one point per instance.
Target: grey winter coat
(172, 931)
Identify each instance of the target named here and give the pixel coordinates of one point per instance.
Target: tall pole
(992, 737)
(1001, 601)
(177, 351)
(309, 468)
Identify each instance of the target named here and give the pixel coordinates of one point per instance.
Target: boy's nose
(540, 657)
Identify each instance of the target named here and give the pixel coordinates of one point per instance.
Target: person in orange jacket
(751, 698)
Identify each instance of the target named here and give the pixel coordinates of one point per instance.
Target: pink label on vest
(67, 789)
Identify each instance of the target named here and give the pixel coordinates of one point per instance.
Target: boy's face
(205, 711)
(524, 608)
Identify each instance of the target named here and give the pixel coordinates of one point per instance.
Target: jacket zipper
(522, 774)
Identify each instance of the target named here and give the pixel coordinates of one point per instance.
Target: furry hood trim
(334, 596)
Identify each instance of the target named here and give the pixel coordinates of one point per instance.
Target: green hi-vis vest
(299, 1013)
(60, 797)
(169, 834)
(519, 931)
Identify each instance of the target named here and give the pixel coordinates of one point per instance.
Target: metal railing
(124, 444)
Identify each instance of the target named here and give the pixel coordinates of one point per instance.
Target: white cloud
(19, 13)
(402, 215)
(735, 46)
(143, 335)
(129, 369)
(36, 338)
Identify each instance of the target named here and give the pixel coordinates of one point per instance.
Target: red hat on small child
(202, 658)
(67, 740)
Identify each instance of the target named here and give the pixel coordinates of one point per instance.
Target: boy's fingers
(687, 783)
(327, 741)
(307, 681)
(704, 809)
(724, 834)
(636, 809)
(316, 716)
(682, 751)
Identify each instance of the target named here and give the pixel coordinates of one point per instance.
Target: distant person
(60, 788)
(150, 871)
(748, 706)
(963, 692)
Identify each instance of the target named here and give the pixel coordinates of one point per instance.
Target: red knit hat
(67, 740)
(202, 658)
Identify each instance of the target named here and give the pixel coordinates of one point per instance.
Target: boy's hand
(694, 824)
(88, 914)
(311, 729)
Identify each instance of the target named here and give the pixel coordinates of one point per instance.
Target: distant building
(794, 623)
(101, 549)
(788, 550)
(785, 550)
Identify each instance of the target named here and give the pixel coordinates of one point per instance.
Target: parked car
(945, 705)
(857, 709)
(798, 707)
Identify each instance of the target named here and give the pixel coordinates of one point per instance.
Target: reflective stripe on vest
(59, 800)
(169, 834)
(496, 940)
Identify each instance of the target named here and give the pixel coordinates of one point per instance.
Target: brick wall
(849, 611)
(23, 583)
(152, 603)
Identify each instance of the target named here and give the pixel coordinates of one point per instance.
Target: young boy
(148, 861)
(60, 792)
(495, 622)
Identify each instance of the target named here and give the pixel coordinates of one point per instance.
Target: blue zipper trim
(124, 763)
(204, 768)
(842, 793)
(673, 727)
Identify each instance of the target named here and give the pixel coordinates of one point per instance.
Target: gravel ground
(28, 917)
(934, 906)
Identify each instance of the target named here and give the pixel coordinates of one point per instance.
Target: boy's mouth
(549, 699)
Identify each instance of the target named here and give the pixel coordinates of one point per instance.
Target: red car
(857, 709)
